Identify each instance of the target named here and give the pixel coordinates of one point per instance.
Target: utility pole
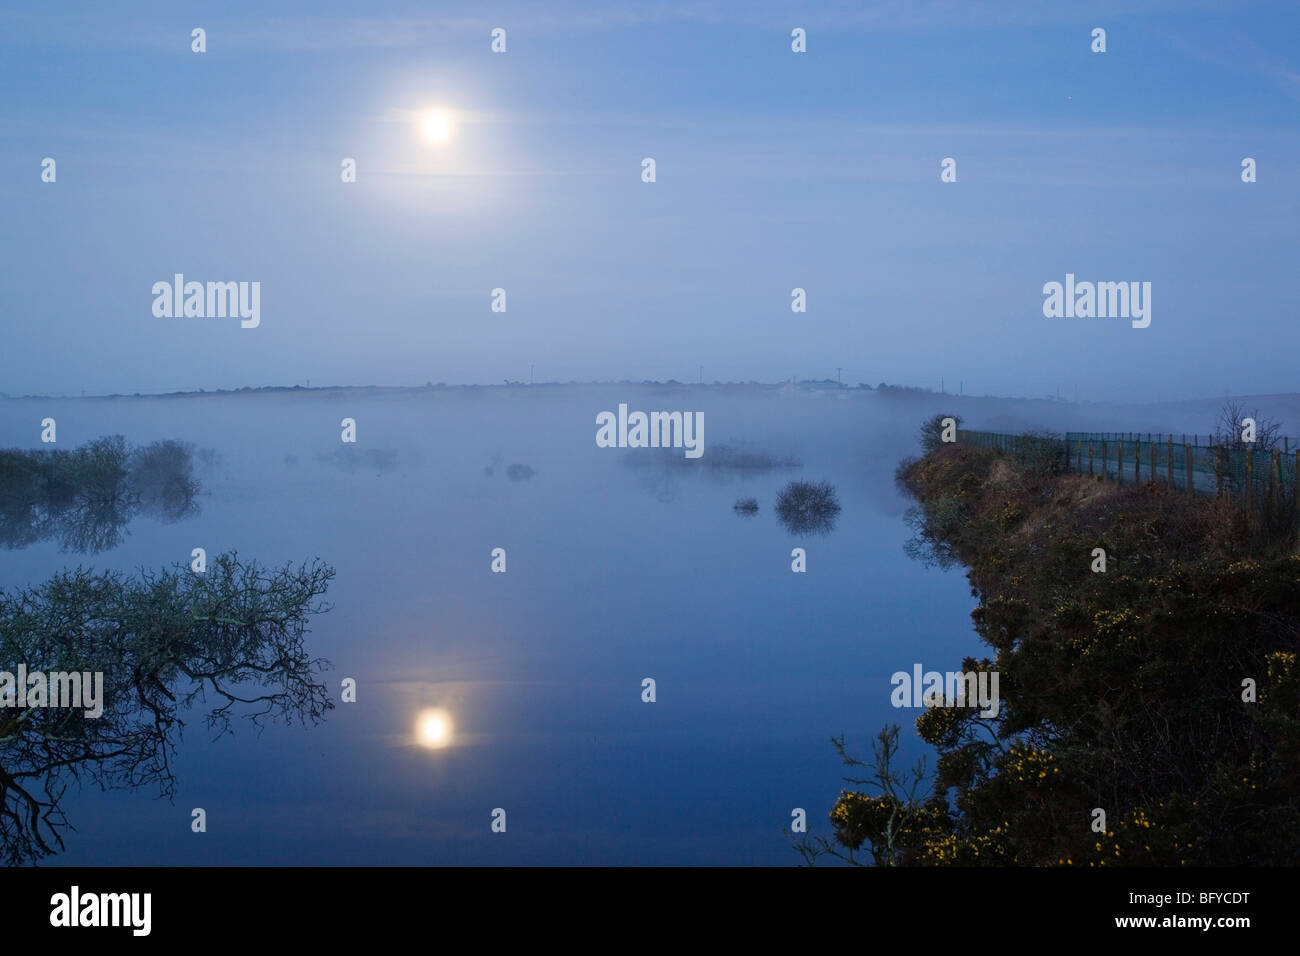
(530, 374)
(837, 375)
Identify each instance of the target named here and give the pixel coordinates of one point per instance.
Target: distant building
(822, 385)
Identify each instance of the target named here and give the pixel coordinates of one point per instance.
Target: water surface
(622, 565)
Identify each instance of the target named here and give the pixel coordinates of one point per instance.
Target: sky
(775, 170)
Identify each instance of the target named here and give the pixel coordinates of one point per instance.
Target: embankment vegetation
(1162, 691)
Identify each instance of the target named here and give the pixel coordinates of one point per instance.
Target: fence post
(1089, 456)
(1119, 462)
(1250, 482)
(1297, 496)
(1169, 462)
(1137, 460)
(1218, 471)
(1187, 461)
(1105, 471)
(1152, 478)
(1274, 481)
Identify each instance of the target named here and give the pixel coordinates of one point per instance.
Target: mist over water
(622, 564)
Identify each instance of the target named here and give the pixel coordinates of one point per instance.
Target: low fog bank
(520, 424)
(1191, 417)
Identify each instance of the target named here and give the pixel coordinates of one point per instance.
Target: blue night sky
(775, 170)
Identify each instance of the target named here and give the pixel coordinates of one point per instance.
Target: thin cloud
(311, 34)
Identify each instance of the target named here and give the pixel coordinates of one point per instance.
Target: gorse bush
(1164, 690)
(1042, 454)
(932, 430)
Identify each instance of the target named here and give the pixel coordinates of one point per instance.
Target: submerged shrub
(808, 506)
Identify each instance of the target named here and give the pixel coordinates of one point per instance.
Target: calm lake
(622, 564)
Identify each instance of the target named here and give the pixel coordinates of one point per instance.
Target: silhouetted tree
(932, 430)
(1228, 430)
(231, 638)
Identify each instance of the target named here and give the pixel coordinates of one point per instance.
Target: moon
(437, 126)
(433, 729)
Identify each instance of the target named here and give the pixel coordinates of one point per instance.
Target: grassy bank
(1150, 711)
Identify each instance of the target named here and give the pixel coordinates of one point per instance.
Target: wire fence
(1259, 479)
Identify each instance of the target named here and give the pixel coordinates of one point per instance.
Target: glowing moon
(436, 126)
(433, 728)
